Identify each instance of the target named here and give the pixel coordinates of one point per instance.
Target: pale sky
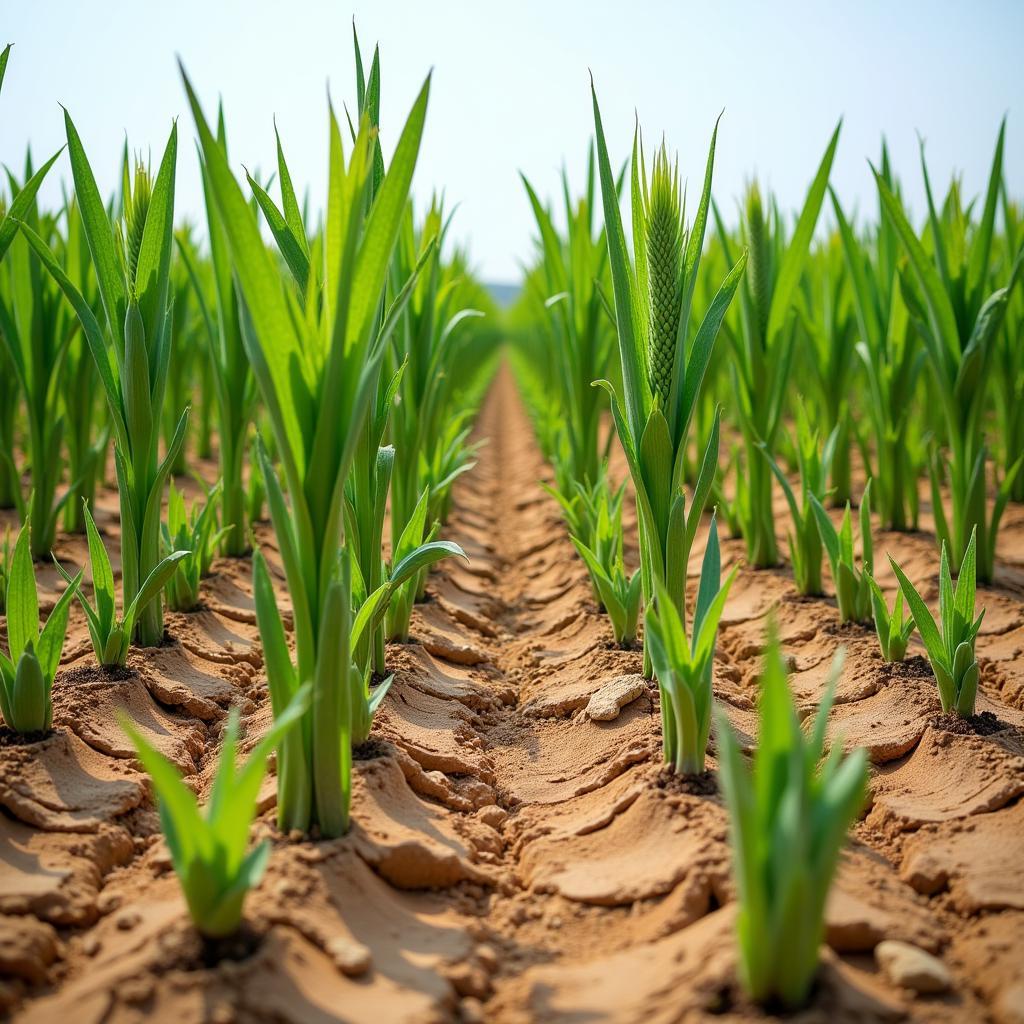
(511, 92)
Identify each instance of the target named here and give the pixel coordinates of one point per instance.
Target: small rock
(127, 920)
(910, 967)
(488, 957)
(494, 815)
(613, 696)
(470, 980)
(352, 958)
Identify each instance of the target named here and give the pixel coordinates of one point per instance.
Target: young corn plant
(827, 322)
(891, 359)
(36, 327)
(21, 205)
(1009, 377)
(946, 287)
(209, 847)
(852, 583)
(85, 431)
(132, 351)
(893, 628)
(574, 273)
(428, 428)
(950, 641)
(315, 332)
(764, 345)
(805, 539)
(30, 664)
(111, 634)
(662, 367)
(684, 667)
(597, 536)
(234, 386)
(789, 818)
(193, 531)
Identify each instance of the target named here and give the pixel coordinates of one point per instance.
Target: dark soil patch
(82, 674)
(197, 952)
(371, 750)
(914, 667)
(985, 724)
(704, 783)
(10, 738)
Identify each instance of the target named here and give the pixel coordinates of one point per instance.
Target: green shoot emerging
(788, 821)
(28, 668)
(209, 847)
(684, 668)
(195, 533)
(950, 642)
(853, 590)
(893, 628)
(110, 634)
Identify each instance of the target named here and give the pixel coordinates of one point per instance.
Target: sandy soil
(512, 859)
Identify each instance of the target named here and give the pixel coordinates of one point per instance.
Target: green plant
(764, 345)
(788, 822)
(662, 370)
(315, 335)
(209, 847)
(950, 642)
(578, 333)
(684, 668)
(36, 327)
(893, 628)
(132, 259)
(234, 387)
(28, 668)
(110, 634)
(1009, 377)
(891, 359)
(947, 294)
(805, 539)
(826, 319)
(5, 569)
(852, 584)
(22, 203)
(595, 520)
(194, 532)
(86, 433)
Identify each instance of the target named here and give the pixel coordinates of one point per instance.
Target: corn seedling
(764, 345)
(950, 641)
(805, 539)
(573, 274)
(827, 322)
(1009, 377)
(662, 371)
(947, 293)
(209, 846)
(595, 520)
(853, 590)
(315, 333)
(684, 667)
(132, 259)
(195, 532)
(234, 387)
(891, 359)
(893, 628)
(30, 664)
(110, 634)
(36, 327)
(789, 818)
(85, 432)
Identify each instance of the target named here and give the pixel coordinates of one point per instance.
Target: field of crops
(650, 649)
